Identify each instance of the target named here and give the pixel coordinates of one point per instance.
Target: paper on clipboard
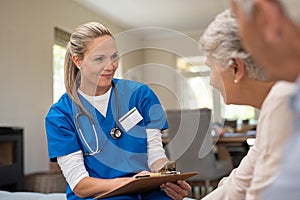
(145, 184)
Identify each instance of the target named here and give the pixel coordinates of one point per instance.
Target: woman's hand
(177, 191)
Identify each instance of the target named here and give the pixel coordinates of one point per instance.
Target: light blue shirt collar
(295, 99)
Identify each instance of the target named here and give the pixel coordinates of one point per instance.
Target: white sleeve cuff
(73, 168)
(155, 147)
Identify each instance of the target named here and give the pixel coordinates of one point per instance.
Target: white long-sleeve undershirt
(73, 168)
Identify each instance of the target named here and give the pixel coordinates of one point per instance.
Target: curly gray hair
(221, 42)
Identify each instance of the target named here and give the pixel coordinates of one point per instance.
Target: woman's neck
(95, 91)
(255, 92)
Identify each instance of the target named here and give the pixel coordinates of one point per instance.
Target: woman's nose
(111, 64)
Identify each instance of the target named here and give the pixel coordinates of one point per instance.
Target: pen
(148, 175)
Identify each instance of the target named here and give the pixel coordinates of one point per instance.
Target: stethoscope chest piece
(115, 133)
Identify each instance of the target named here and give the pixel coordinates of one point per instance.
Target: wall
(160, 58)
(160, 49)
(26, 38)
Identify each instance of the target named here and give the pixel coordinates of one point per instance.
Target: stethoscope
(115, 132)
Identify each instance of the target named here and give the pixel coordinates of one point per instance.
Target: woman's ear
(76, 60)
(239, 70)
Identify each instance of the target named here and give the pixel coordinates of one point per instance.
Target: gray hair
(221, 42)
(290, 8)
(247, 6)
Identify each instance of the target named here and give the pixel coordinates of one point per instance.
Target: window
(59, 51)
(195, 89)
(237, 112)
(202, 94)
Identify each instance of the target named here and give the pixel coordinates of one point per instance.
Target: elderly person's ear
(271, 18)
(239, 70)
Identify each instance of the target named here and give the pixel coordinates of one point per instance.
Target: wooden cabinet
(11, 159)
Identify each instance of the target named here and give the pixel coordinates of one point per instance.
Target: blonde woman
(103, 130)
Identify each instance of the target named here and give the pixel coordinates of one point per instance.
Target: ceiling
(187, 16)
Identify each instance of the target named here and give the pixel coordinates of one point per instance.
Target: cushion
(31, 196)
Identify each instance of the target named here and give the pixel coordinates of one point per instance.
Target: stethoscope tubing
(115, 132)
(82, 136)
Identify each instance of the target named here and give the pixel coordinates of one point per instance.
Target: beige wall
(160, 68)
(26, 39)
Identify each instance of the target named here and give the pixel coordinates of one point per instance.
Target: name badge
(130, 119)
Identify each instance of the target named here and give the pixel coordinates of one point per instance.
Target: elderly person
(271, 32)
(241, 81)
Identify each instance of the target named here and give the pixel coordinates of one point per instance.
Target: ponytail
(79, 40)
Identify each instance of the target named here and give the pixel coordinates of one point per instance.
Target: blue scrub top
(119, 158)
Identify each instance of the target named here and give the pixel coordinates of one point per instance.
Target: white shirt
(259, 167)
(99, 102)
(286, 185)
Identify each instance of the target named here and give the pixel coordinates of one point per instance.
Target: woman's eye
(115, 57)
(99, 59)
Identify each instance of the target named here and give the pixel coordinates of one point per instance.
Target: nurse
(103, 130)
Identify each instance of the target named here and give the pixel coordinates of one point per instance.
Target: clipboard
(144, 184)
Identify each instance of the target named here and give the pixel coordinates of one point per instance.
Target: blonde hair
(222, 42)
(79, 41)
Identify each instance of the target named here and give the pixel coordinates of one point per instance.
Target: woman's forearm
(89, 186)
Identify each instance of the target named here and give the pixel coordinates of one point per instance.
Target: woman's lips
(105, 75)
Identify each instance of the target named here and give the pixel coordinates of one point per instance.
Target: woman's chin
(226, 101)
